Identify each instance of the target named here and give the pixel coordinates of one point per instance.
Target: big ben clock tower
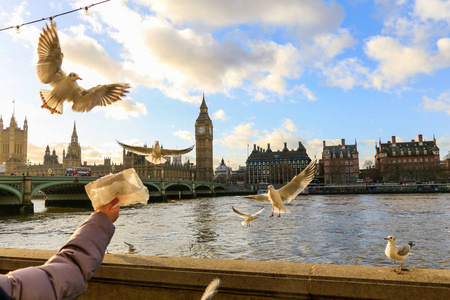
(204, 144)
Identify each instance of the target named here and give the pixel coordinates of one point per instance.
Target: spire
(74, 133)
(203, 105)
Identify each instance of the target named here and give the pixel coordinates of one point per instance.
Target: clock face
(201, 130)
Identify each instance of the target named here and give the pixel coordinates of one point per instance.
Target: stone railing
(156, 277)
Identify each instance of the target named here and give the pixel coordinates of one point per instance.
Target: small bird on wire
(397, 253)
(65, 87)
(155, 154)
(212, 289)
(248, 218)
(287, 192)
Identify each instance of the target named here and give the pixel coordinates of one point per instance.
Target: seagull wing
(258, 212)
(173, 152)
(136, 149)
(212, 289)
(130, 246)
(101, 95)
(260, 198)
(50, 56)
(403, 250)
(240, 214)
(293, 188)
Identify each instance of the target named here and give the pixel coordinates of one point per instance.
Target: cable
(86, 8)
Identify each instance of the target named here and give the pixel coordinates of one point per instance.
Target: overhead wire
(86, 8)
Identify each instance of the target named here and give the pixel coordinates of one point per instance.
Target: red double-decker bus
(78, 171)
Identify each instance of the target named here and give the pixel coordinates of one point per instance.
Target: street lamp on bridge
(28, 163)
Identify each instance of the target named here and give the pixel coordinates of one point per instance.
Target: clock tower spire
(204, 144)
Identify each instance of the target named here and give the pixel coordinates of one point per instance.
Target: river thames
(331, 229)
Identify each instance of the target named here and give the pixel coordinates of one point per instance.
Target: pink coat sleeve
(64, 275)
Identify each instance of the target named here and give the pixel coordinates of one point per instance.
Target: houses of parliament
(13, 155)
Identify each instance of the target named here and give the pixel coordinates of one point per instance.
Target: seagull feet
(44, 105)
(278, 216)
(271, 215)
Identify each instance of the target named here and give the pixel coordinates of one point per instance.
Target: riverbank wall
(157, 277)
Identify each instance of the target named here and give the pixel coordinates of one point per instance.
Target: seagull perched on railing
(65, 87)
(248, 218)
(397, 253)
(287, 192)
(131, 248)
(155, 154)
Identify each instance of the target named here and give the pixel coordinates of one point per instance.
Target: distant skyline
(272, 72)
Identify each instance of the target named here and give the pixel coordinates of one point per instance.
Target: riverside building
(407, 161)
(275, 167)
(340, 163)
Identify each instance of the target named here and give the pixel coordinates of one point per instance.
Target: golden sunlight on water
(335, 229)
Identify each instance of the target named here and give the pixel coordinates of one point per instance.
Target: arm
(65, 275)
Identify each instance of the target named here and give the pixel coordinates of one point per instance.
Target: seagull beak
(78, 77)
(386, 239)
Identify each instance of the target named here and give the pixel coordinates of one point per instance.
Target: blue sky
(272, 72)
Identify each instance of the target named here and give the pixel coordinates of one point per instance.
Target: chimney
(268, 146)
(323, 144)
(343, 143)
(393, 139)
(419, 137)
(254, 147)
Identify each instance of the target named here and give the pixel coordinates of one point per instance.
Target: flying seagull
(65, 87)
(248, 218)
(155, 154)
(287, 192)
(212, 289)
(397, 253)
(131, 248)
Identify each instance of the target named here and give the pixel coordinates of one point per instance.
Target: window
(425, 151)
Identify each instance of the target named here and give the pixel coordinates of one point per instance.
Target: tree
(368, 164)
(447, 156)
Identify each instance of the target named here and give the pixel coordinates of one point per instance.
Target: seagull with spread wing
(287, 192)
(212, 289)
(397, 253)
(155, 154)
(248, 218)
(65, 87)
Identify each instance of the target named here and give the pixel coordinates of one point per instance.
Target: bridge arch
(12, 194)
(63, 187)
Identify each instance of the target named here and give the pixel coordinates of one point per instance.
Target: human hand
(110, 211)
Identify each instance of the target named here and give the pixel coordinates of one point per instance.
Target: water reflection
(321, 229)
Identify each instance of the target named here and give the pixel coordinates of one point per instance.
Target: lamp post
(28, 163)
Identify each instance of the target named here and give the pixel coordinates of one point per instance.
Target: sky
(271, 72)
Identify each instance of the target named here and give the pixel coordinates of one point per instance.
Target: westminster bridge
(67, 191)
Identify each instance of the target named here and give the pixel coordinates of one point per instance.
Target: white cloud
(369, 142)
(185, 135)
(442, 103)
(433, 9)
(305, 17)
(239, 137)
(289, 125)
(347, 73)
(219, 115)
(123, 110)
(396, 61)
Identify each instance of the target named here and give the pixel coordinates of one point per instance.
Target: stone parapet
(157, 277)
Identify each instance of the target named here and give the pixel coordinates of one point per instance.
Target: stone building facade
(407, 161)
(340, 163)
(13, 145)
(275, 167)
